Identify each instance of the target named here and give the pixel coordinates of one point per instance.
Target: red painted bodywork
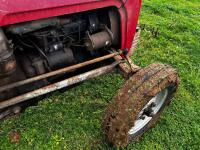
(16, 11)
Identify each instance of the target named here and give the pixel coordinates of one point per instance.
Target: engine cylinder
(99, 40)
(7, 59)
(60, 59)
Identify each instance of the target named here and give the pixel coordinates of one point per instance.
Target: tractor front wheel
(139, 103)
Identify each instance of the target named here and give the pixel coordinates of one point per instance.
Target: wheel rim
(148, 112)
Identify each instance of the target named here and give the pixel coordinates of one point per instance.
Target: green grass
(73, 120)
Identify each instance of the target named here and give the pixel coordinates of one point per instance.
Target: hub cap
(147, 113)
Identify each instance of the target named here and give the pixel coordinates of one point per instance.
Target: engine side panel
(132, 11)
(12, 12)
(23, 11)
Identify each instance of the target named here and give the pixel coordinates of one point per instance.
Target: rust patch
(14, 137)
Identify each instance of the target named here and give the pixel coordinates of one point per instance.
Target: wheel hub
(148, 112)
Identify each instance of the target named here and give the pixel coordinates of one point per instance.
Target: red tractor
(47, 46)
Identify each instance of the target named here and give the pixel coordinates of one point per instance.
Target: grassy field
(73, 120)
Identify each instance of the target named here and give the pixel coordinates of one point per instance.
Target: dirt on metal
(132, 97)
(57, 72)
(58, 85)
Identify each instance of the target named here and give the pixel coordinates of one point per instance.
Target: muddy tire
(139, 103)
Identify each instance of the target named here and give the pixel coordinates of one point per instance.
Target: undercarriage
(53, 54)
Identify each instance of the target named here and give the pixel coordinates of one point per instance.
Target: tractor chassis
(121, 61)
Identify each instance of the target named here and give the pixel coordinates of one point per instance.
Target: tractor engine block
(37, 47)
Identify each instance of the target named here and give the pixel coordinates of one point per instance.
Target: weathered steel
(7, 59)
(134, 68)
(58, 85)
(31, 26)
(124, 69)
(127, 69)
(57, 72)
(99, 40)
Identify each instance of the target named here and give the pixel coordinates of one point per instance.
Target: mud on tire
(131, 99)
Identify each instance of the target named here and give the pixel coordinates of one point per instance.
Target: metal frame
(59, 85)
(58, 72)
(127, 68)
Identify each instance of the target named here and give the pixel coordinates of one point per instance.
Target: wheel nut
(151, 114)
(153, 104)
(142, 117)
